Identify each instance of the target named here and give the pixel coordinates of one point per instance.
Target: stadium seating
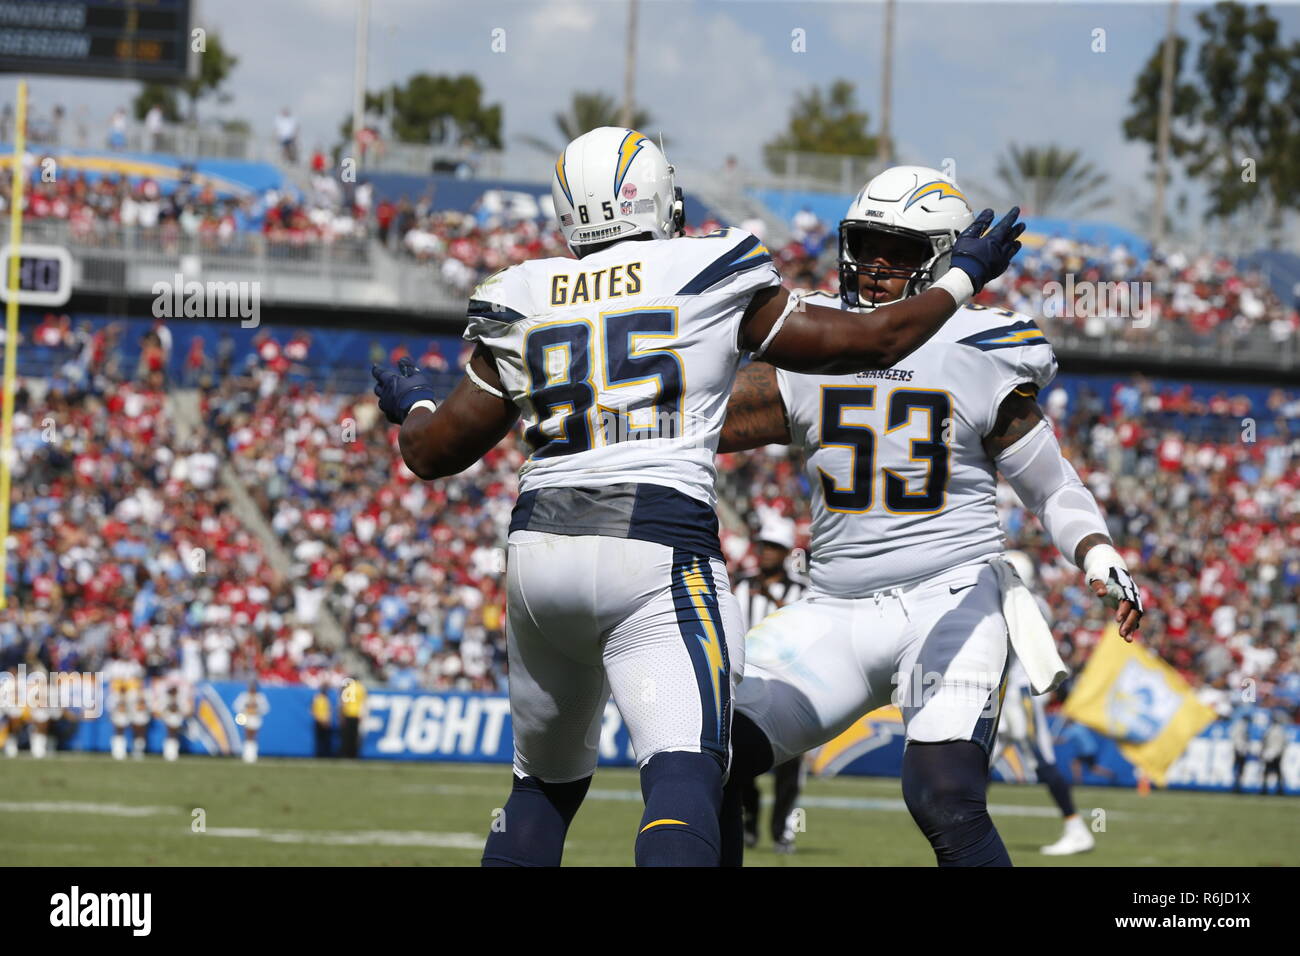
(126, 546)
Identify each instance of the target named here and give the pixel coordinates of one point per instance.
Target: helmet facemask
(917, 257)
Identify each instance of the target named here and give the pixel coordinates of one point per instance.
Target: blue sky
(719, 76)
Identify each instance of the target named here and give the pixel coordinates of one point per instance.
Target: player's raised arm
(756, 415)
(804, 338)
(1024, 448)
(441, 440)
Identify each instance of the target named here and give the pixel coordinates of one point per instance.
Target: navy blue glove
(985, 256)
(399, 390)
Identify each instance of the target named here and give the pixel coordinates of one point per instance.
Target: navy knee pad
(683, 801)
(534, 823)
(945, 786)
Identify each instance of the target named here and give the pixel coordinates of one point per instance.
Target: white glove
(1103, 563)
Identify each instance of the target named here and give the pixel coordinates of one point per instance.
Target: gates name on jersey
(902, 485)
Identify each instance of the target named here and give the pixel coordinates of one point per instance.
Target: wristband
(957, 284)
(1098, 559)
(423, 403)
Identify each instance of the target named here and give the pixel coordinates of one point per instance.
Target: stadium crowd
(1203, 297)
(466, 247)
(126, 546)
(1206, 297)
(413, 572)
(114, 210)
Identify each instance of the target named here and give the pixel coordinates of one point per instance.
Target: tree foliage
(437, 109)
(1235, 123)
(215, 66)
(1051, 180)
(587, 111)
(826, 122)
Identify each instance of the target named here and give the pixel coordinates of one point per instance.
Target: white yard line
(405, 838)
(888, 804)
(99, 809)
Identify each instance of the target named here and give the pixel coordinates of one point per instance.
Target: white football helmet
(613, 183)
(900, 226)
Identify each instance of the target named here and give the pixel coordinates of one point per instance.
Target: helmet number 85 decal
(606, 207)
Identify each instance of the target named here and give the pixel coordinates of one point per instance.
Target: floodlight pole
(629, 68)
(1162, 127)
(887, 88)
(359, 80)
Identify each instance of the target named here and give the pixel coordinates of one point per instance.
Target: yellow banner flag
(1135, 698)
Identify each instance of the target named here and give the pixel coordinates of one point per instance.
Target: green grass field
(82, 809)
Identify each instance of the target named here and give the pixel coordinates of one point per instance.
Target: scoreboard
(145, 40)
(44, 273)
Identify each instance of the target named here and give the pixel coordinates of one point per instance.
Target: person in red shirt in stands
(151, 356)
(433, 358)
(296, 349)
(49, 333)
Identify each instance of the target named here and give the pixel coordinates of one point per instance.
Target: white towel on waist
(1031, 638)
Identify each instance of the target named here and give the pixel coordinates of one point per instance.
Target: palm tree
(586, 112)
(1051, 181)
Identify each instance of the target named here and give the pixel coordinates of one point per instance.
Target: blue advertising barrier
(874, 747)
(398, 725)
(449, 726)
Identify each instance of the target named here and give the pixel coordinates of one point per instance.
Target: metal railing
(205, 142)
(1168, 342)
(425, 160)
(111, 258)
(178, 139)
(822, 172)
(166, 244)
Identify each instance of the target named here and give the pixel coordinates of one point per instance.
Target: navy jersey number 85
(561, 382)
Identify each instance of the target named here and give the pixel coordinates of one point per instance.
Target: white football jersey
(902, 488)
(621, 363)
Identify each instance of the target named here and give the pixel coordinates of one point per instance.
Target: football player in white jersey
(905, 605)
(620, 362)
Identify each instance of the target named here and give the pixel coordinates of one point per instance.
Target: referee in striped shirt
(759, 594)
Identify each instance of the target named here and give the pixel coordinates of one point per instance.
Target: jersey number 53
(858, 494)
